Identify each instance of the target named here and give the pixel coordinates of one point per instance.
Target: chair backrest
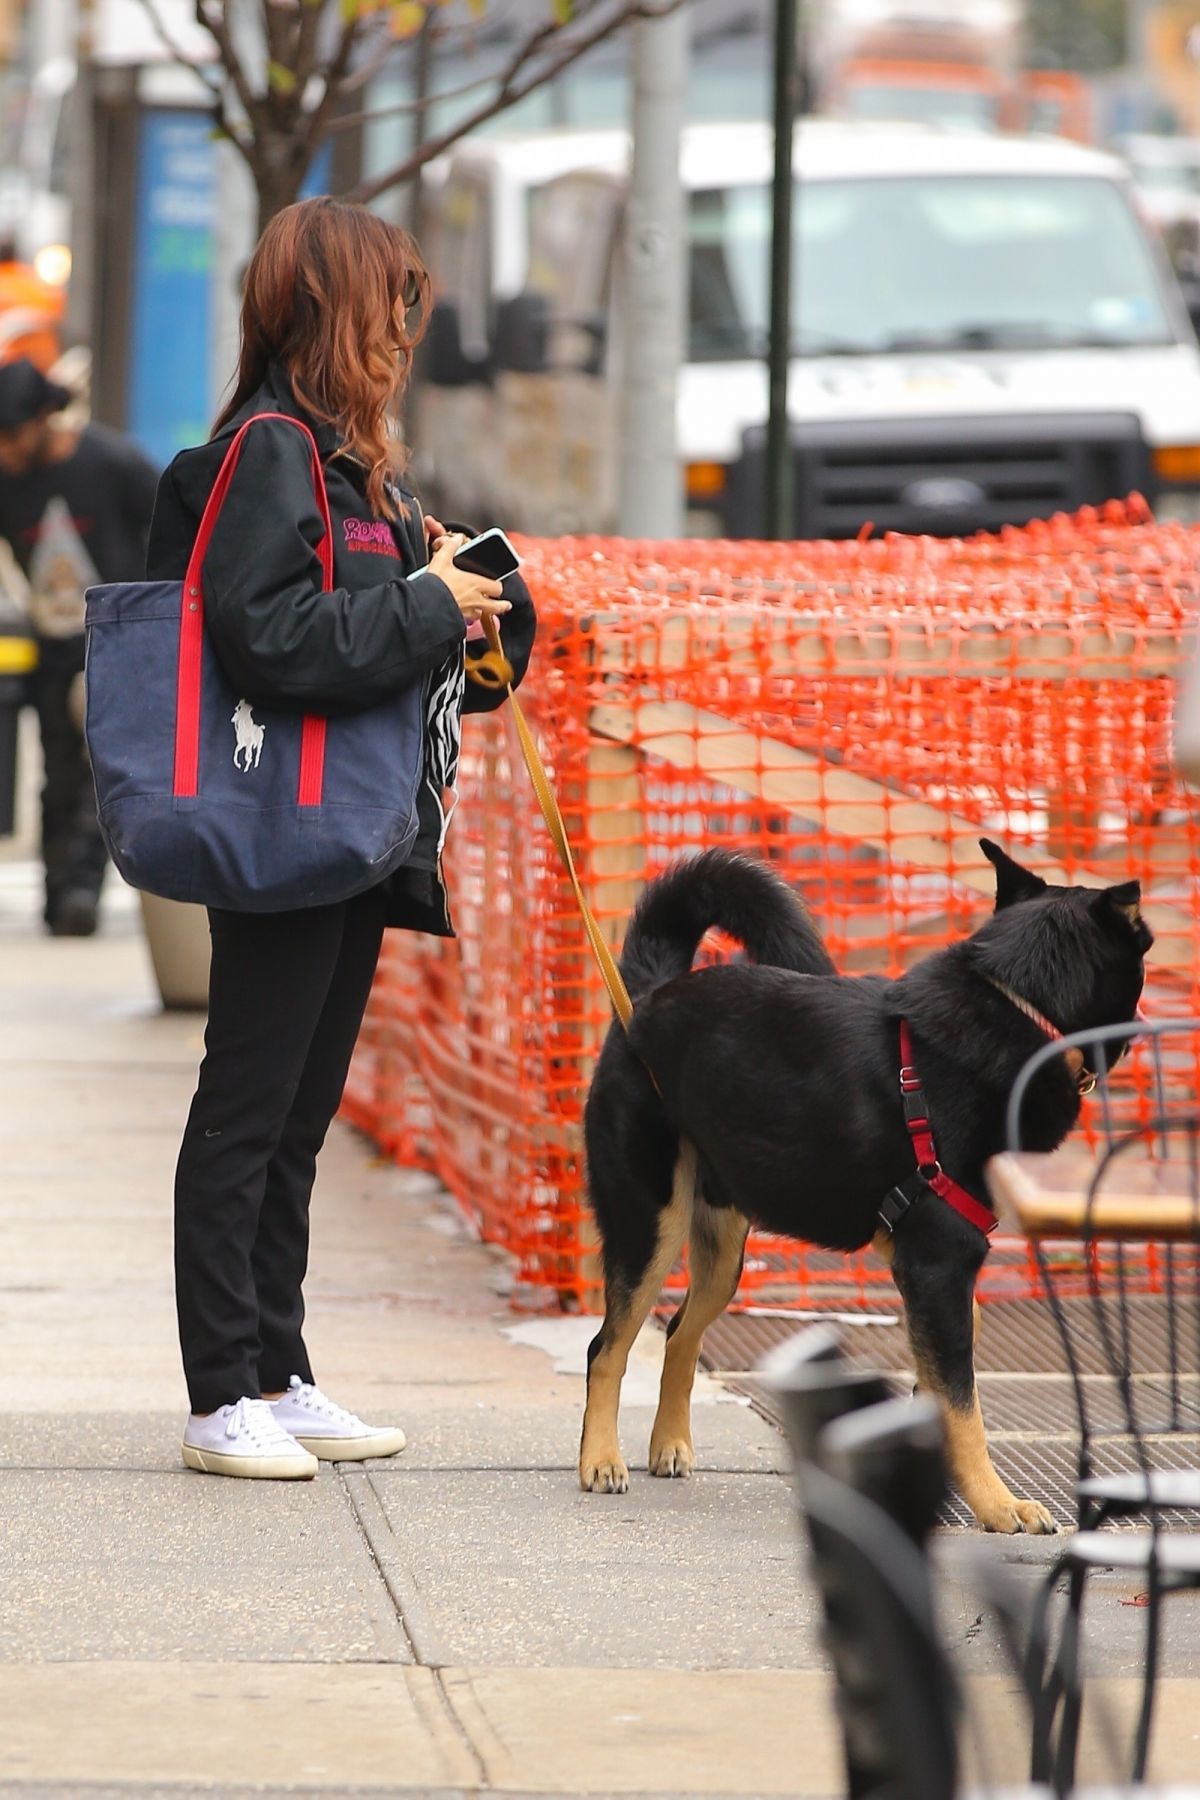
(814, 1384)
(897, 1695)
(893, 1454)
(1168, 1044)
(1127, 1310)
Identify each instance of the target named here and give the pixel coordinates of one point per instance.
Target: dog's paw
(1035, 1518)
(604, 1475)
(674, 1459)
(1012, 1516)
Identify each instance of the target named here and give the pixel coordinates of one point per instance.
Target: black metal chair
(870, 1480)
(1089, 1291)
(815, 1384)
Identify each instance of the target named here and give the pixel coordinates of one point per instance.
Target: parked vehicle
(1166, 179)
(947, 62)
(984, 332)
(952, 62)
(1166, 175)
(1059, 102)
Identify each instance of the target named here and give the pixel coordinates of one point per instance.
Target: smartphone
(490, 554)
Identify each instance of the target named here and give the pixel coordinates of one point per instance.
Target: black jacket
(286, 643)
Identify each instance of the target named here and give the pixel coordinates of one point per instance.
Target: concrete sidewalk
(460, 1619)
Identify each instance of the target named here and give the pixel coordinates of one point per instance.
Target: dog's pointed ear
(1013, 883)
(1126, 898)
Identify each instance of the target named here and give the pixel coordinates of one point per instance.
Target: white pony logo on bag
(248, 749)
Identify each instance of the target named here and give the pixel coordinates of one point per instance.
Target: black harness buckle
(916, 1108)
(898, 1201)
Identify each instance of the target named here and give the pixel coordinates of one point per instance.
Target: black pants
(72, 848)
(286, 998)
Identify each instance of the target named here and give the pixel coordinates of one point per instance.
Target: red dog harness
(929, 1171)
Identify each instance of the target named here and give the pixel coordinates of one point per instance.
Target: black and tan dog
(776, 1098)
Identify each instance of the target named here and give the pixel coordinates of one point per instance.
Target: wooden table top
(1140, 1198)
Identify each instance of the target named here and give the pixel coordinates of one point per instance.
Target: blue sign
(173, 267)
(320, 173)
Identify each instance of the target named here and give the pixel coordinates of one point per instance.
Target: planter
(177, 935)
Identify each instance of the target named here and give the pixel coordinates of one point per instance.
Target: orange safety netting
(857, 714)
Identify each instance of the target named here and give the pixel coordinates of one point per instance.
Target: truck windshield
(915, 263)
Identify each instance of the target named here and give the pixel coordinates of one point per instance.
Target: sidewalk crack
(384, 1589)
(407, 1600)
(461, 1730)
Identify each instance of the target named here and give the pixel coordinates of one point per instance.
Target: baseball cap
(25, 394)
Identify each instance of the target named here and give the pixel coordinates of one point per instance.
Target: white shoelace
(254, 1420)
(308, 1395)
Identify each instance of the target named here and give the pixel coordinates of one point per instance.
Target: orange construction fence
(858, 715)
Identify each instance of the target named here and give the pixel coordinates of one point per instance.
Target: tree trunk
(277, 185)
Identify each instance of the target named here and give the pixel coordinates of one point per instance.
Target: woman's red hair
(322, 297)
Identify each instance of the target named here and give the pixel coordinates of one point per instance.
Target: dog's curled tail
(739, 896)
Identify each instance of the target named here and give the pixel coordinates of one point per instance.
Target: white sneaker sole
(355, 1449)
(253, 1468)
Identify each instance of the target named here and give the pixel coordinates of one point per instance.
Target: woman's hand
(476, 596)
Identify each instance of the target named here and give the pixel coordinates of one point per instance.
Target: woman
(335, 301)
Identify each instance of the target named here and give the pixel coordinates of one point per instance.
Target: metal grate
(1024, 1388)
(1018, 1337)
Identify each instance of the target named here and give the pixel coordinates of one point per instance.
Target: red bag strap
(191, 630)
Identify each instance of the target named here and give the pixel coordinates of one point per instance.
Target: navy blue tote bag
(203, 796)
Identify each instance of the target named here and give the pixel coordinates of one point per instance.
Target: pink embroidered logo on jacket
(370, 534)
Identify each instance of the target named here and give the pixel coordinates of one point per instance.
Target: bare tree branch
(369, 67)
(211, 15)
(175, 49)
(334, 76)
(277, 132)
(229, 131)
(221, 114)
(307, 35)
(403, 108)
(512, 88)
(275, 30)
(346, 121)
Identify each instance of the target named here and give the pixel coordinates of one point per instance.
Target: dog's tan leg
(971, 1466)
(942, 1319)
(602, 1468)
(994, 1505)
(718, 1238)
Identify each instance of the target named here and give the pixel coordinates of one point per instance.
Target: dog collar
(1027, 1007)
(929, 1171)
(1085, 1080)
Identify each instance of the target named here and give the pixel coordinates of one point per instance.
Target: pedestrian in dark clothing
(334, 302)
(75, 506)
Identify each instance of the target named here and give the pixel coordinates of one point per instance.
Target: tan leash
(493, 670)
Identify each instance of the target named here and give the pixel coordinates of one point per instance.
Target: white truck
(984, 332)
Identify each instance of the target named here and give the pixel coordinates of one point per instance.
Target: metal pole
(778, 508)
(650, 499)
(81, 293)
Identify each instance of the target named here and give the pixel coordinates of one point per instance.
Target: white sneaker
(328, 1430)
(245, 1439)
